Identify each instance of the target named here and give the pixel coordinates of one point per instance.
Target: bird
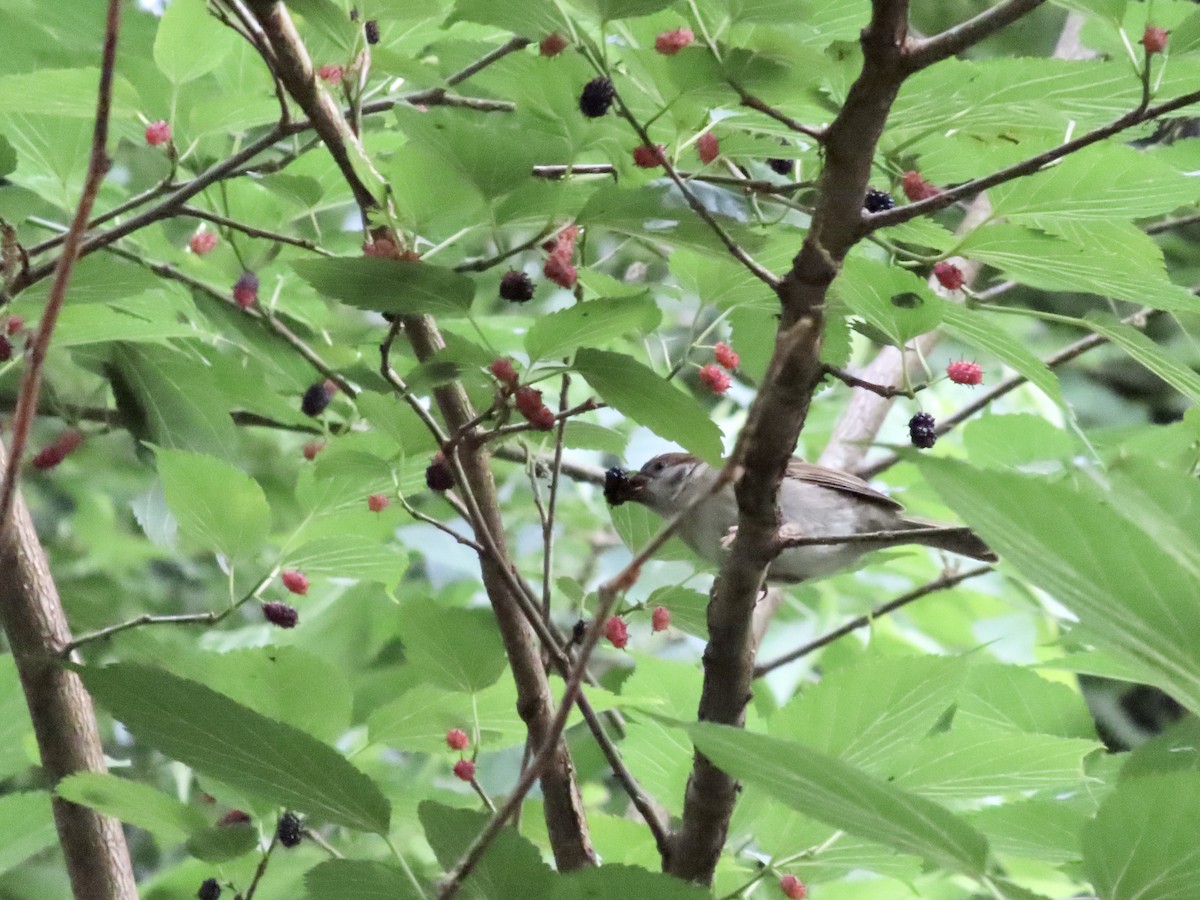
(814, 501)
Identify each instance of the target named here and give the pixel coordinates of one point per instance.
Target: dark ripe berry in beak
(615, 484)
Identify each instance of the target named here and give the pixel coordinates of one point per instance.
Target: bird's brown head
(663, 475)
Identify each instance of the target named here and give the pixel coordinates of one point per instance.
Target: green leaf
(636, 525)
(357, 879)
(457, 649)
(234, 744)
(997, 442)
(172, 401)
(1142, 843)
(637, 392)
(65, 92)
(531, 20)
(1149, 354)
(390, 286)
(865, 714)
(133, 803)
(190, 42)
(8, 157)
(689, 609)
(26, 827)
(216, 506)
(844, 797)
(591, 324)
(1034, 829)
(15, 724)
(512, 867)
(351, 556)
(624, 881)
(985, 332)
(222, 843)
(1010, 698)
(892, 300)
(608, 10)
(1132, 596)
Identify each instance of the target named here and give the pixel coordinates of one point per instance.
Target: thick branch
(924, 53)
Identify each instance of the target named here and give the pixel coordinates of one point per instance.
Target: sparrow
(813, 502)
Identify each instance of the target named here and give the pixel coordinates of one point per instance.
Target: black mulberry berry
(516, 286)
(317, 397)
(877, 201)
(438, 476)
(280, 614)
(577, 631)
(921, 431)
(596, 98)
(209, 889)
(372, 31)
(781, 166)
(614, 485)
(290, 830)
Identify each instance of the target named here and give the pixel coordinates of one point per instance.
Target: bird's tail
(954, 540)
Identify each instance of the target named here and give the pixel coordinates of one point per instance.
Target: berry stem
(883, 390)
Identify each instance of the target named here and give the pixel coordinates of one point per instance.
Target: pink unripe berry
(543, 419)
(671, 42)
(312, 448)
(296, 582)
(502, 368)
(962, 371)
(202, 242)
(53, 454)
(645, 157)
(330, 73)
(13, 325)
(793, 887)
(1154, 39)
(158, 133)
(725, 356)
(707, 147)
(465, 769)
(948, 275)
(378, 502)
(917, 188)
(660, 619)
(381, 248)
(529, 401)
(234, 817)
(280, 614)
(552, 44)
(456, 739)
(245, 290)
(715, 378)
(617, 632)
(558, 269)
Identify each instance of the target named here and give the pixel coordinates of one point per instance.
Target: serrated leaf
(844, 797)
(457, 649)
(637, 392)
(593, 324)
(357, 879)
(389, 286)
(217, 506)
(1011, 698)
(1034, 829)
(133, 803)
(65, 92)
(26, 827)
(894, 301)
(1130, 593)
(234, 744)
(222, 843)
(636, 525)
(513, 866)
(351, 556)
(1011, 441)
(1175, 373)
(982, 331)
(190, 42)
(689, 608)
(1119, 854)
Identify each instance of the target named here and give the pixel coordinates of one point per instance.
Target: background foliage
(945, 752)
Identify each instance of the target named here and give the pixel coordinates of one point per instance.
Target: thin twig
(482, 265)
(98, 163)
(251, 230)
(517, 428)
(552, 503)
(261, 868)
(440, 526)
(938, 584)
(883, 390)
(748, 99)
(511, 46)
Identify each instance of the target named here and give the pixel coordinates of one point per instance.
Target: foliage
(946, 750)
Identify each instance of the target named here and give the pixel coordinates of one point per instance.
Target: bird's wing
(836, 480)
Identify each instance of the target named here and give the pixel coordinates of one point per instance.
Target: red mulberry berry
(311, 449)
(504, 372)
(281, 614)
(597, 96)
(438, 476)
(13, 325)
(245, 290)
(877, 201)
(296, 582)
(209, 890)
(671, 42)
(921, 431)
(456, 739)
(465, 769)
(725, 356)
(660, 619)
(158, 133)
(948, 275)
(649, 157)
(917, 188)
(378, 502)
(617, 632)
(1154, 39)
(516, 286)
(381, 248)
(232, 818)
(290, 830)
(559, 270)
(542, 419)
(962, 371)
(707, 147)
(202, 242)
(317, 397)
(792, 887)
(715, 378)
(552, 44)
(529, 401)
(331, 73)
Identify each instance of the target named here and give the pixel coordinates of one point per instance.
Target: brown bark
(63, 717)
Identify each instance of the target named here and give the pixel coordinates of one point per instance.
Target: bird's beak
(620, 486)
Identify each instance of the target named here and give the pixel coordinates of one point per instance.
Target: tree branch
(921, 54)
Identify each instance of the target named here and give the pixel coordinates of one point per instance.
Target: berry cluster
(921, 431)
(781, 166)
(311, 449)
(1154, 40)
(53, 454)
(597, 96)
(456, 739)
(378, 502)
(725, 356)
(715, 378)
(371, 30)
